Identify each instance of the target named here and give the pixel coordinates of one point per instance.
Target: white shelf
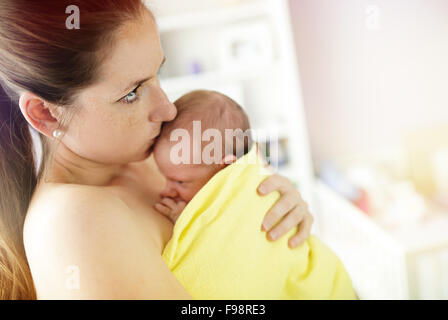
(180, 83)
(182, 21)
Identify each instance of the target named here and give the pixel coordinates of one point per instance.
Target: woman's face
(120, 116)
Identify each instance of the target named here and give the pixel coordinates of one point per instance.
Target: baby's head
(188, 154)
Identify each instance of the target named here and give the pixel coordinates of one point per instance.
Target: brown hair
(39, 54)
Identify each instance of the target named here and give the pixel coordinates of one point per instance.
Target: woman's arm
(93, 249)
(288, 212)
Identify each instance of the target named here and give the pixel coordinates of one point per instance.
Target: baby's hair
(214, 110)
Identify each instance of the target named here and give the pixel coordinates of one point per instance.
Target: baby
(216, 250)
(206, 110)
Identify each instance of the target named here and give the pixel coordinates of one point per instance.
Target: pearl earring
(57, 134)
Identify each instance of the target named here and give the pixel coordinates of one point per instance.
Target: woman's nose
(166, 111)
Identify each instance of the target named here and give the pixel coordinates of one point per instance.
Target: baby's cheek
(191, 191)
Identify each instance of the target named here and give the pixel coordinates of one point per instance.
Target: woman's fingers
(289, 212)
(289, 222)
(294, 217)
(298, 216)
(274, 182)
(282, 207)
(303, 231)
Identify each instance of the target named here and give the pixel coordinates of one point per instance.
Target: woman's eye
(180, 182)
(131, 96)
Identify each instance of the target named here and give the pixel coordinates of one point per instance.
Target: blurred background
(349, 99)
(374, 81)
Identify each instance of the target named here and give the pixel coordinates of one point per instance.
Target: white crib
(380, 265)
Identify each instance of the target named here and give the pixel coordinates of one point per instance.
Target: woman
(85, 227)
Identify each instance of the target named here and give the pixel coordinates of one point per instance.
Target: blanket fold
(218, 250)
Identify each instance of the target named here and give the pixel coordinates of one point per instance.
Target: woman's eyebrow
(138, 82)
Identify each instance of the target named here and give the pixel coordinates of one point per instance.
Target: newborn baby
(209, 110)
(216, 250)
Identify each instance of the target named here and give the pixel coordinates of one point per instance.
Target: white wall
(367, 81)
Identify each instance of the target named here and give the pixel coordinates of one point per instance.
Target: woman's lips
(152, 142)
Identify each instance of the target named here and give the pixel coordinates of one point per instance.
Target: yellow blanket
(218, 250)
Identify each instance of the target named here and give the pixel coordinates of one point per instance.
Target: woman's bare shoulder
(70, 203)
(62, 215)
(82, 242)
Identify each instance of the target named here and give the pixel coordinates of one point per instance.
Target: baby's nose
(169, 192)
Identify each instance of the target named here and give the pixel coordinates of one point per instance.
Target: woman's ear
(40, 114)
(227, 160)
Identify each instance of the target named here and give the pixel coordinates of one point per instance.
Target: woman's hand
(288, 212)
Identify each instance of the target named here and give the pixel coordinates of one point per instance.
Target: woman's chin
(146, 153)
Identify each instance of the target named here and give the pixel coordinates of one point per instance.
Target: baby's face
(183, 181)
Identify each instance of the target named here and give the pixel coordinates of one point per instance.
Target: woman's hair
(38, 53)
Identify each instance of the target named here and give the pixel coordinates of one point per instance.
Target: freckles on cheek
(101, 123)
(134, 126)
(133, 120)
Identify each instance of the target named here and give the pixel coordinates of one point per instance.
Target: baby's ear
(228, 159)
